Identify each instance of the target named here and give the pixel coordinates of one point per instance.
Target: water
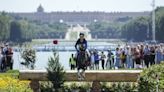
(42, 60)
(42, 57)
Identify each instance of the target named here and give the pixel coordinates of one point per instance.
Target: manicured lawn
(11, 73)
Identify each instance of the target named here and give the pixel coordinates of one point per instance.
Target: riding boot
(79, 75)
(82, 75)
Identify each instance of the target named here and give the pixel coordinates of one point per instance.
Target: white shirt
(0, 57)
(92, 58)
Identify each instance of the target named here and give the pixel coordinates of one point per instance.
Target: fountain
(73, 32)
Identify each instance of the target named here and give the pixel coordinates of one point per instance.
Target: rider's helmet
(109, 50)
(81, 34)
(7, 44)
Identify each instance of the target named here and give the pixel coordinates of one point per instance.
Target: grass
(41, 41)
(11, 73)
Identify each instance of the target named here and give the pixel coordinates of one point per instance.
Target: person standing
(158, 55)
(137, 58)
(110, 60)
(102, 59)
(123, 59)
(152, 55)
(3, 59)
(141, 49)
(1, 56)
(162, 55)
(117, 62)
(9, 56)
(162, 51)
(133, 56)
(96, 59)
(146, 56)
(92, 60)
(72, 62)
(129, 57)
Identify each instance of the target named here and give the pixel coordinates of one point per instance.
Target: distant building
(40, 9)
(78, 17)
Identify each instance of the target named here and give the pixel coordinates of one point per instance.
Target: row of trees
(138, 29)
(160, 23)
(104, 29)
(4, 26)
(19, 30)
(14, 30)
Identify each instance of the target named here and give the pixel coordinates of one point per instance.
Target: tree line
(17, 29)
(138, 29)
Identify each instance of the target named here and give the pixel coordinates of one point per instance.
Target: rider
(81, 46)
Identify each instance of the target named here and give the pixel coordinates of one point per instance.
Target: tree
(26, 33)
(150, 78)
(59, 26)
(21, 31)
(56, 73)
(4, 26)
(160, 24)
(160, 29)
(15, 31)
(105, 29)
(136, 29)
(29, 56)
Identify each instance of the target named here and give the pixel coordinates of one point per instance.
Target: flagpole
(153, 21)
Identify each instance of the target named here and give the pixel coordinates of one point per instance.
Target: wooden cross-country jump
(94, 76)
(90, 75)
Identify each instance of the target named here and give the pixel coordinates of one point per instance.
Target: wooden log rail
(91, 75)
(95, 76)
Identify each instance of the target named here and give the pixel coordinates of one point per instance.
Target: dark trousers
(146, 60)
(103, 62)
(138, 61)
(111, 62)
(152, 59)
(3, 64)
(72, 67)
(9, 62)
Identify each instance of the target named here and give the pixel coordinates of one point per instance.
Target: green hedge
(147, 82)
(150, 78)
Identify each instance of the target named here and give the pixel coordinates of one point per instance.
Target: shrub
(119, 87)
(29, 56)
(81, 86)
(46, 86)
(150, 78)
(56, 73)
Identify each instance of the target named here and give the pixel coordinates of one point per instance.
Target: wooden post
(96, 86)
(34, 84)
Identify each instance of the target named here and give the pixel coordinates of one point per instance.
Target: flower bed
(9, 82)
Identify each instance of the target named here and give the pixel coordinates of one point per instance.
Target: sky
(79, 5)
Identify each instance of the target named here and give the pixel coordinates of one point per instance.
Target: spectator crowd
(129, 56)
(6, 60)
